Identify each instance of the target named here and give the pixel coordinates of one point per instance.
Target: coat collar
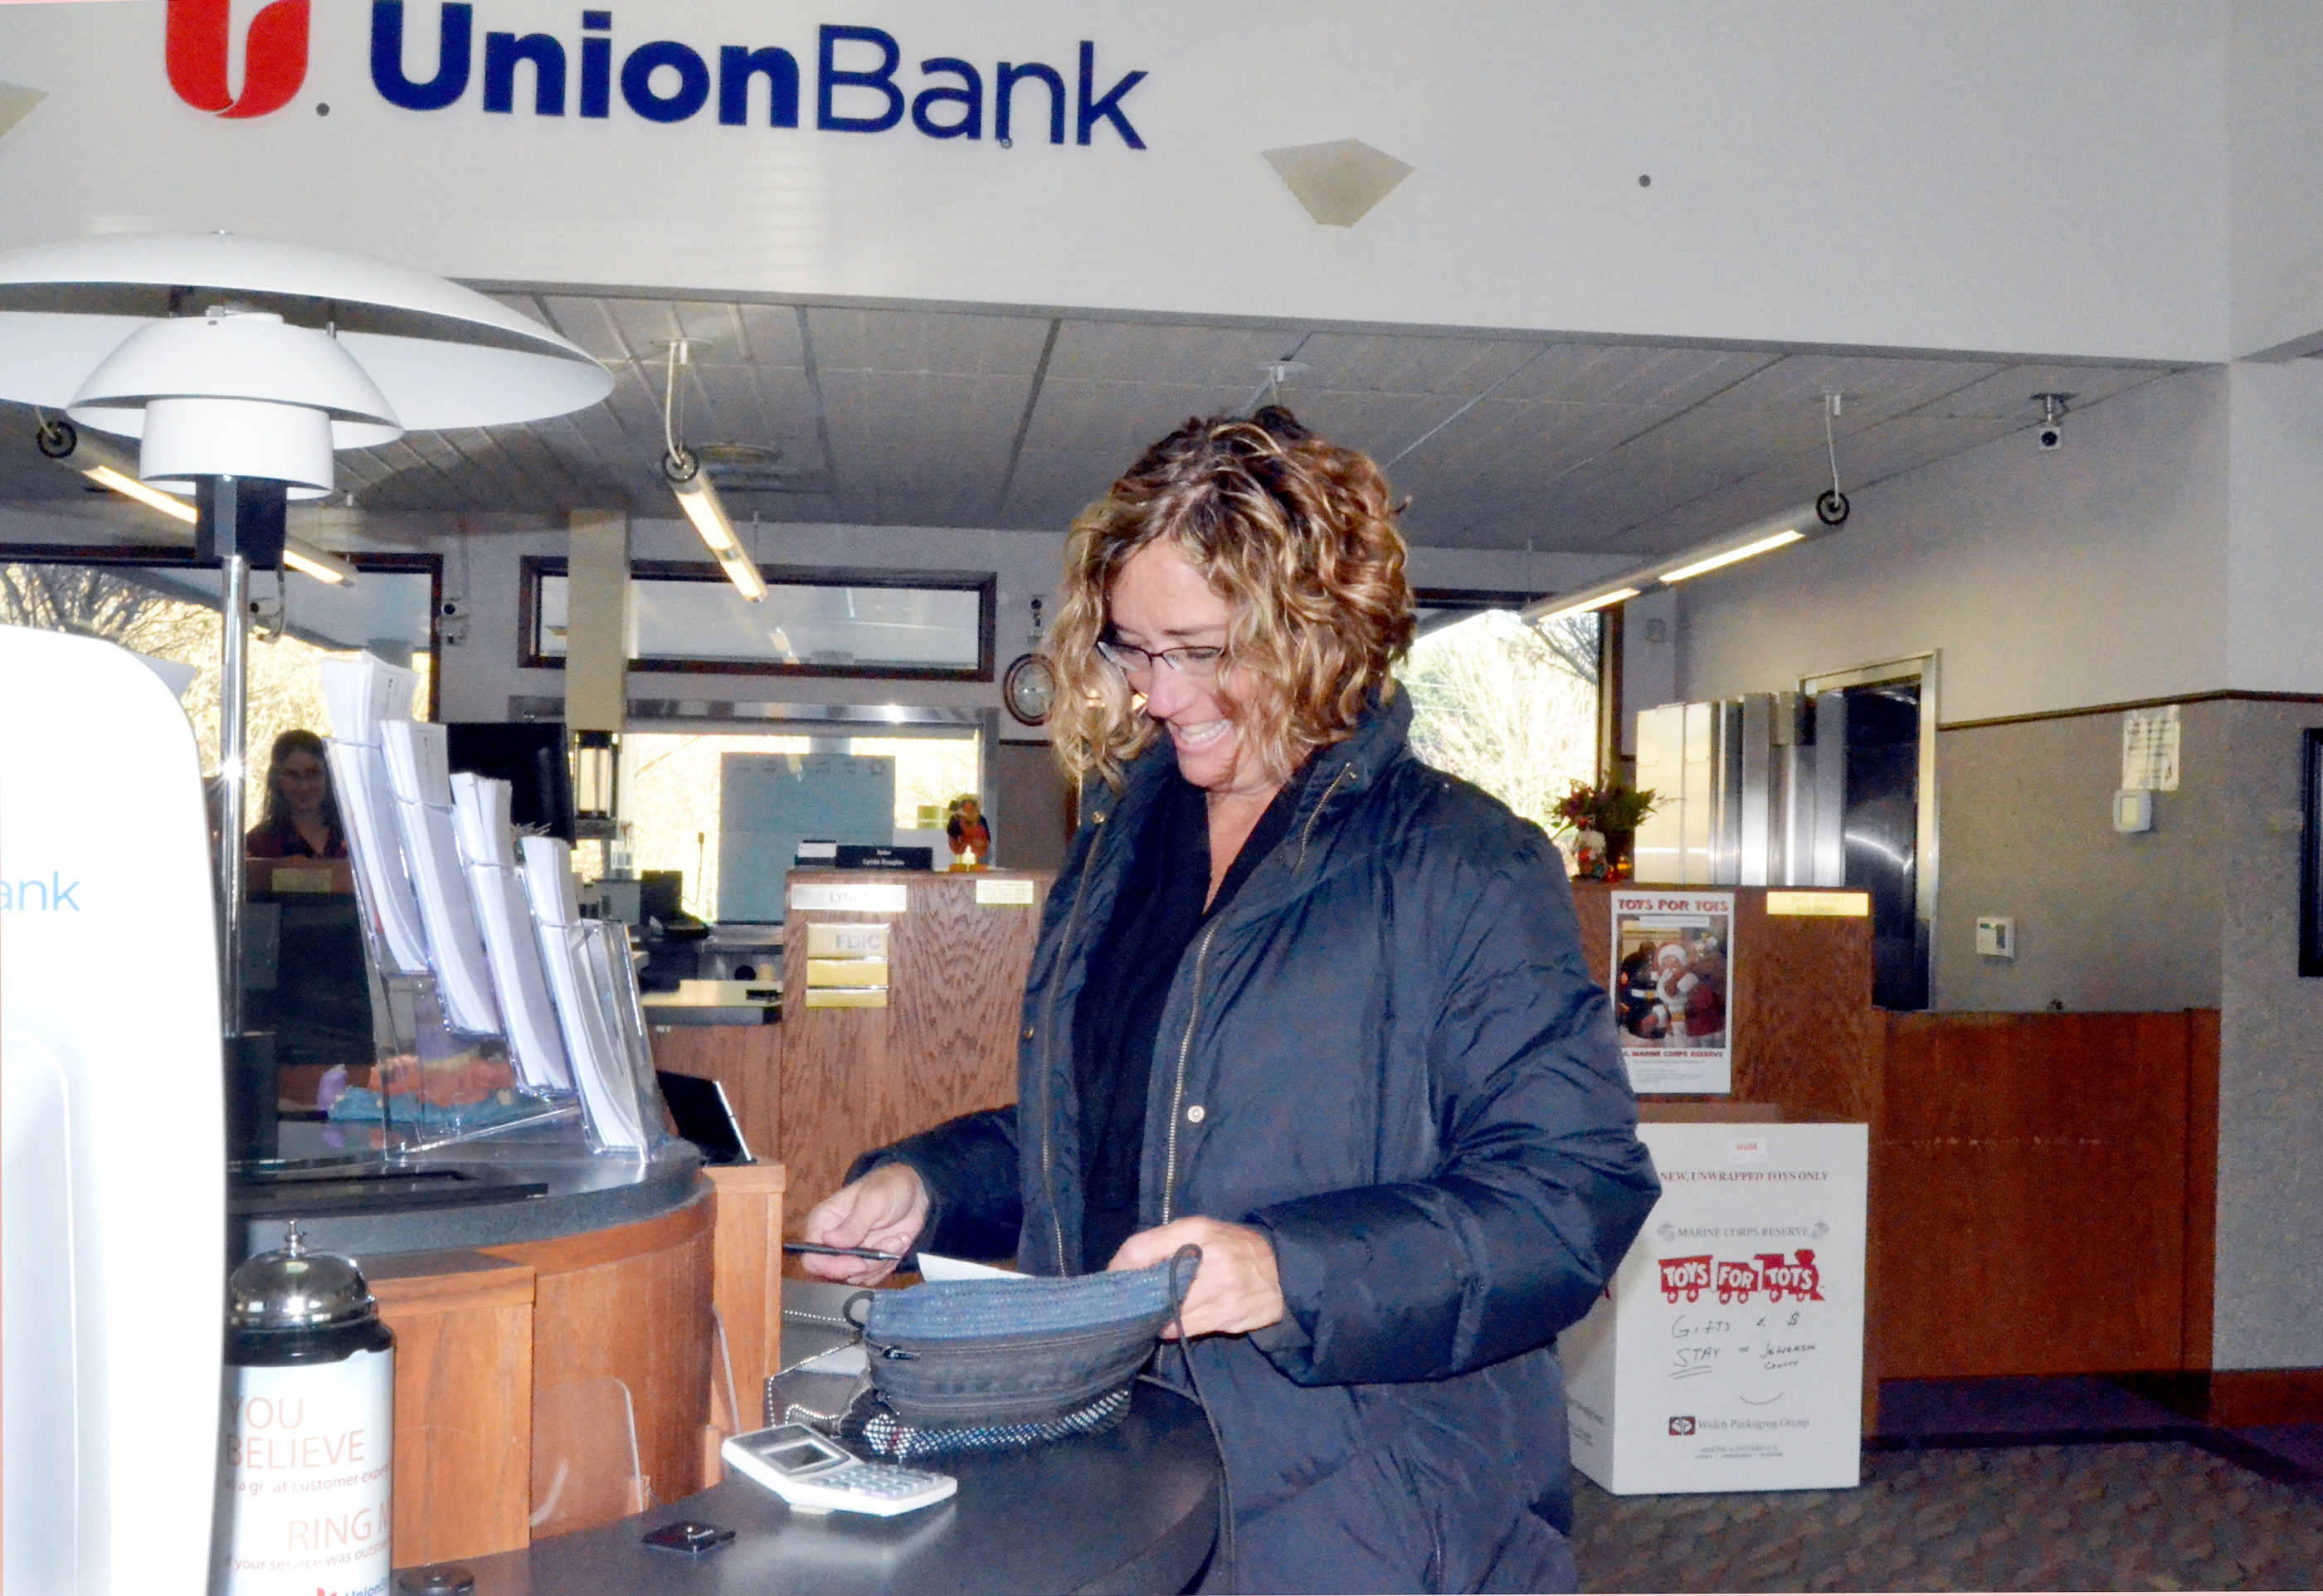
(1341, 770)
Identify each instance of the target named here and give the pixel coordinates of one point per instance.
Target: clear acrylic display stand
(437, 1085)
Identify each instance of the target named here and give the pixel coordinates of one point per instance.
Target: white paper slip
(481, 806)
(517, 979)
(586, 1042)
(549, 880)
(601, 1068)
(367, 810)
(455, 948)
(934, 1266)
(418, 761)
(362, 690)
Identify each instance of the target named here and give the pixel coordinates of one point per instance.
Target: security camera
(452, 609)
(2051, 432)
(452, 621)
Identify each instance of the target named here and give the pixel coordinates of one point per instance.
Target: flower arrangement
(1595, 815)
(1608, 809)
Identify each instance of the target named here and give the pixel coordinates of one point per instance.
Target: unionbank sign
(860, 83)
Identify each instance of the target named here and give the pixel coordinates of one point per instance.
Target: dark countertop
(585, 1192)
(1131, 1510)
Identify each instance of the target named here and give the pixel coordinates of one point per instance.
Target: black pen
(842, 1252)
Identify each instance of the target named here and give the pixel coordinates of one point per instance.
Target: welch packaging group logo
(273, 63)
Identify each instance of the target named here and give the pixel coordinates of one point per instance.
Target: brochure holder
(436, 1084)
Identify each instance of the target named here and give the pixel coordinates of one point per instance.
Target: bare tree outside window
(1499, 704)
(110, 603)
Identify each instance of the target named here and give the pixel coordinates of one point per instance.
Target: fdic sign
(859, 86)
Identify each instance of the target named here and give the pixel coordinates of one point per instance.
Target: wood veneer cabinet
(856, 1078)
(519, 1369)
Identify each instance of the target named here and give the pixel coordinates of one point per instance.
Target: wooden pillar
(747, 1288)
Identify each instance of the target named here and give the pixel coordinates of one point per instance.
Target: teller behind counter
(303, 976)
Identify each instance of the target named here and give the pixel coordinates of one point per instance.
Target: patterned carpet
(2165, 1513)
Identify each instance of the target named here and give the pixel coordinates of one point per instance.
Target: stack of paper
(480, 813)
(581, 980)
(359, 692)
(420, 773)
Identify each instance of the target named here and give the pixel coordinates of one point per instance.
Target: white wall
(2092, 575)
(1981, 174)
(2275, 167)
(2274, 571)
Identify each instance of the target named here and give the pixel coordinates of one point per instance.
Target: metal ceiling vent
(1339, 182)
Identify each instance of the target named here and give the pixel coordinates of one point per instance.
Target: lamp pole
(240, 522)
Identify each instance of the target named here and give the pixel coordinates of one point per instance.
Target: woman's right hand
(885, 1211)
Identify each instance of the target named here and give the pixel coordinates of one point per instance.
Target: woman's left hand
(1236, 1289)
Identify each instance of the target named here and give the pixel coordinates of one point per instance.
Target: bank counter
(576, 1335)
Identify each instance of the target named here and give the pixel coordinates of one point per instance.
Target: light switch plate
(1996, 936)
(2132, 810)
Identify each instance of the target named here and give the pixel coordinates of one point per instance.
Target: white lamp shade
(247, 356)
(440, 356)
(187, 439)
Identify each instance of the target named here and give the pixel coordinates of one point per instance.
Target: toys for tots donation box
(1728, 1352)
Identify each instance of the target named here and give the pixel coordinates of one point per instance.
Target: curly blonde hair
(1296, 534)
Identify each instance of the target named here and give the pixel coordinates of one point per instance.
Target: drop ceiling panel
(1381, 424)
(1051, 486)
(1231, 359)
(1388, 362)
(1574, 444)
(919, 341)
(1108, 424)
(2008, 393)
(1662, 379)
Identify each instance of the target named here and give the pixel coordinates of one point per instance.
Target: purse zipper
(1049, 1038)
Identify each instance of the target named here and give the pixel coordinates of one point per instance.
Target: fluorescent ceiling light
(1620, 595)
(316, 562)
(1789, 536)
(105, 476)
(699, 502)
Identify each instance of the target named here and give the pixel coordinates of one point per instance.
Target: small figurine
(969, 833)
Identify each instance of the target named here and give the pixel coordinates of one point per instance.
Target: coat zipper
(1186, 1043)
(1049, 1038)
(1178, 1092)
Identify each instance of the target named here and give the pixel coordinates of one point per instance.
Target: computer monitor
(530, 756)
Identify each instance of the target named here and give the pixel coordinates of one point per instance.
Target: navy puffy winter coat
(1388, 1054)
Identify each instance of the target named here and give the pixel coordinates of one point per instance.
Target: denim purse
(984, 1365)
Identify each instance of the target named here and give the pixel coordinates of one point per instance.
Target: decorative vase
(1618, 846)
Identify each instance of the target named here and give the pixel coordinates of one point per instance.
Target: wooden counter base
(522, 1369)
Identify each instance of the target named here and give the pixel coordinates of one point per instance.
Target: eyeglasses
(1199, 660)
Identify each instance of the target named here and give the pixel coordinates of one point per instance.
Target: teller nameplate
(1846, 905)
(847, 997)
(872, 897)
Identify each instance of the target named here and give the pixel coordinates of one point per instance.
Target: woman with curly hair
(1308, 1005)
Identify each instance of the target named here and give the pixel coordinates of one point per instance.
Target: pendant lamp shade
(108, 327)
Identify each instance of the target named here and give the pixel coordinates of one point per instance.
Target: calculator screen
(802, 1456)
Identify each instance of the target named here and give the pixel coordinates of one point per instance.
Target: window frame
(182, 558)
(984, 585)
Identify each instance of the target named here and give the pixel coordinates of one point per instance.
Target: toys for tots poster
(1673, 959)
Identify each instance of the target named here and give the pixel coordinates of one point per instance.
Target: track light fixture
(680, 468)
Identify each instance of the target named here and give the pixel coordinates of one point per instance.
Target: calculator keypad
(877, 1480)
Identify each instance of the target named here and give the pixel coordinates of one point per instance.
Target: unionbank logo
(273, 61)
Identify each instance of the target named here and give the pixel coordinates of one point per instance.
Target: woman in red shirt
(302, 814)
